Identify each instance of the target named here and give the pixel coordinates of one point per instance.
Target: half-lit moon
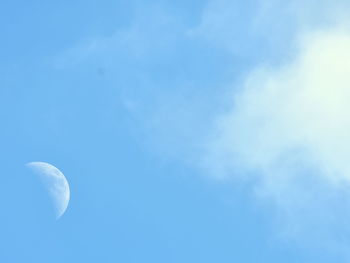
(56, 184)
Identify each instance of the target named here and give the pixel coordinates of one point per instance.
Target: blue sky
(189, 131)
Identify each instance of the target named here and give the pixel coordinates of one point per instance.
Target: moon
(56, 184)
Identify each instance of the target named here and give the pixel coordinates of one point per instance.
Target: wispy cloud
(151, 29)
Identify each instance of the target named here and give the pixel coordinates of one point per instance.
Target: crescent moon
(56, 184)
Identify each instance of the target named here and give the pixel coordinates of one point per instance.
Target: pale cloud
(289, 127)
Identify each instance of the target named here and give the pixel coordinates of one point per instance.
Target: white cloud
(290, 127)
